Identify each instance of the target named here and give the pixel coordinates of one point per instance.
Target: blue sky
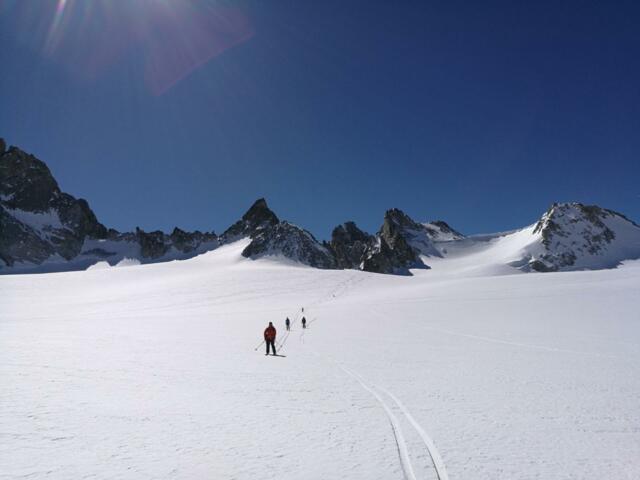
(478, 113)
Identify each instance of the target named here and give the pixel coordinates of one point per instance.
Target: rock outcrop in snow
(574, 236)
(292, 242)
(349, 245)
(440, 231)
(271, 237)
(397, 247)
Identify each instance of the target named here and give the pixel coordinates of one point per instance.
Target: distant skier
(304, 322)
(287, 323)
(270, 338)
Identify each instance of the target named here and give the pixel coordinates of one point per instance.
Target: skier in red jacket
(270, 338)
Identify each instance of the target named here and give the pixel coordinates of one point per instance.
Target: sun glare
(171, 39)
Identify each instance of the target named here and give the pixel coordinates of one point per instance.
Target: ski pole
(255, 349)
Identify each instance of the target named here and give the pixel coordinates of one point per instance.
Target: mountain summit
(572, 236)
(257, 218)
(37, 219)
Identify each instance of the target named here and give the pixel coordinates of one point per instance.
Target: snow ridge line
(438, 463)
(403, 452)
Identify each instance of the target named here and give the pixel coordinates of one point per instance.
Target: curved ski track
(401, 444)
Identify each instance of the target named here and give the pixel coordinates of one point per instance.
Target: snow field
(151, 372)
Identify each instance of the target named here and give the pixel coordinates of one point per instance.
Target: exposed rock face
(187, 242)
(574, 235)
(291, 242)
(152, 244)
(394, 249)
(398, 245)
(26, 183)
(20, 243)
(257, 218)
(403, 234)
(349, 245)
(40, 223)
(271, 237)
(38, 219)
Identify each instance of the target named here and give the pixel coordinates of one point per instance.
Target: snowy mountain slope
(569, 236)
(153, 372)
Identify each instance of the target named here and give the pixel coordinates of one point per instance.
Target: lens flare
(55, 25)
(170, 39)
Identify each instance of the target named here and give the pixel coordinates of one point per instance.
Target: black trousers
(273, 346)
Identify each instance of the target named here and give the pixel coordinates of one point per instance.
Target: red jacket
(270, 333)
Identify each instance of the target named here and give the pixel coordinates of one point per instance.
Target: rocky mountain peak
(392, 251)
(398, 218)
(258, 217)
(401, 232)
(564, 219)
(26, 183)
(290, 241)
(349, 245)
(394, 224)
(259, 214)
(574, 235)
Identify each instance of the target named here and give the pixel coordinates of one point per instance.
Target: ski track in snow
(401, 444)
(403, 452)
(438, 463)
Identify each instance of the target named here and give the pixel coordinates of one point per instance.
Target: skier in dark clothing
(287, 323)
(304, 322)
(270, 338)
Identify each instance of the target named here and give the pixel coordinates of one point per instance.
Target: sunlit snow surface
(151, 372)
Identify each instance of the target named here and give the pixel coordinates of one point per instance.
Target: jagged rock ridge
(398, 246)
(291, 242)
(256, 219)
(349, 245)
